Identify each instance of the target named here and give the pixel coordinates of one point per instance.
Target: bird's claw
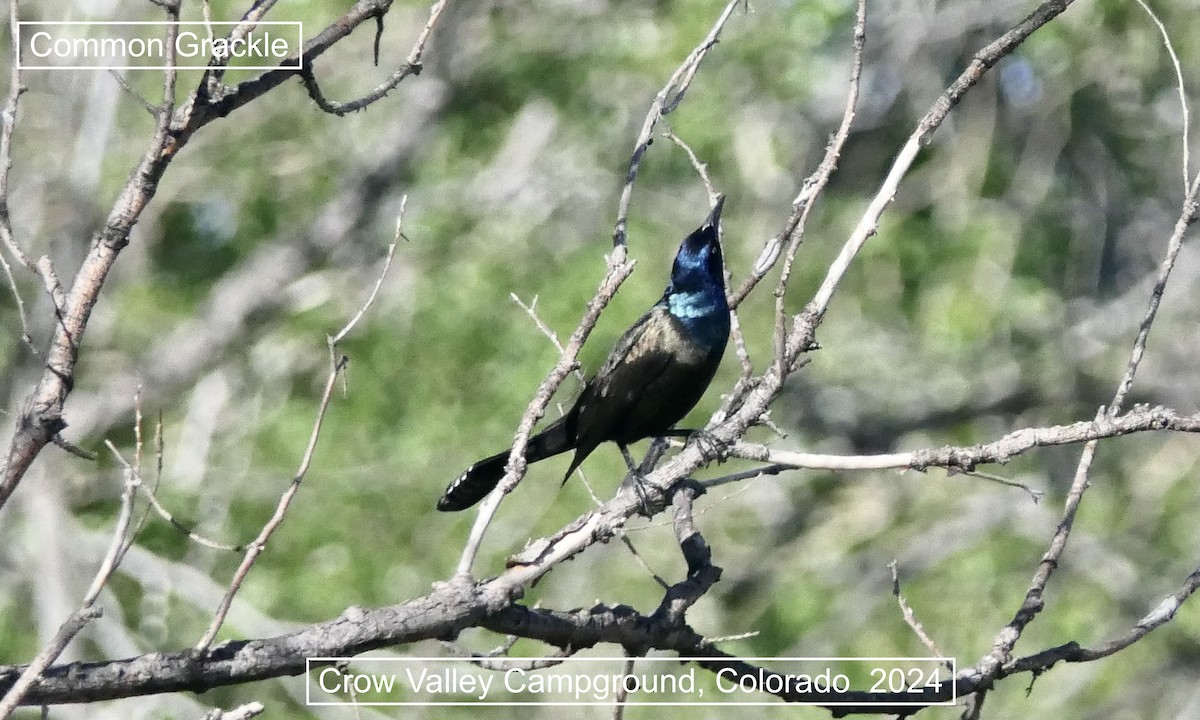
(711, 447)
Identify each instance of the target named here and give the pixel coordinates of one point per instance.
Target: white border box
(201, 60)
(465, 683)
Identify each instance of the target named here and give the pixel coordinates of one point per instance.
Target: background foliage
(1002, 291)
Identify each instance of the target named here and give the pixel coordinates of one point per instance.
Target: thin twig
(24, 319)
(72, 448)
(730, 638)
(793, 229)
(411, 66)
(910, 618)
(119, 545)
(1182, 89)
(745, 475)
(87, 610)
(189, 532)
(255, 548)
(387, 263)
(1034, 494)
(624, 537)
(664, 102)
(216, 64)
(151, 491)
(794, 232)
(531, 311)
(8, 121)
(701, 168)
(490, 662)
(134, 94)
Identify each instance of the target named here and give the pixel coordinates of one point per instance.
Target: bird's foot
(642, 489)
(639, 487)
(711, 447)
(638, 480)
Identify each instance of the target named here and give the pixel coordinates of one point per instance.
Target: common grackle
(653, 376)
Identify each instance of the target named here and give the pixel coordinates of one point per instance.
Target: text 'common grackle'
(653, 376)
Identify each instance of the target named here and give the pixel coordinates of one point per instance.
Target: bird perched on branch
(654, 375)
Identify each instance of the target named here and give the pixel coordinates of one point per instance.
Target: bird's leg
(629, 461)
(710, 446)
(636, 473)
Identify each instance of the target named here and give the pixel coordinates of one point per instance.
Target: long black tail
(482, 477)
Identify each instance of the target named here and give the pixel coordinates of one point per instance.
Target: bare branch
(1033, 603)
(1181, 87)
(984, 60)
(1163, 613)
(259, 544)
(968, 457)
(910, 618)
(119, 544)
(255, 548)
(793, 229)
(702, 573)
(387, 263)
(411, 66)
(665, 101)
(87, 610)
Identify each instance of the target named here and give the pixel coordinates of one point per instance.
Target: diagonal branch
(1033, 602)
(255, 548)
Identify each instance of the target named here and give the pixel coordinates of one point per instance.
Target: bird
(653, 376)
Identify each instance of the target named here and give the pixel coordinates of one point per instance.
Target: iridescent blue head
(696, 295)
(698, 264)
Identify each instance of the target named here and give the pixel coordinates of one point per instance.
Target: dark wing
(637, 360)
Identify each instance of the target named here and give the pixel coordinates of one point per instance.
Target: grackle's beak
(714, 216)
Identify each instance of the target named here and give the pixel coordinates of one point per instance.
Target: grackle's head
(698, 263)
